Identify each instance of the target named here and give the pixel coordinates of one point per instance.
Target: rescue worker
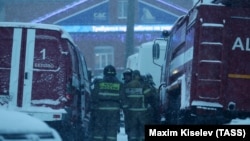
(107, 98)
(127, 75)
(151, 95)
(136, 111)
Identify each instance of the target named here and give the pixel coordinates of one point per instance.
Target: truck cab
(205, 75)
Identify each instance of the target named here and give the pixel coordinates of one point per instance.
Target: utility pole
(130, 28)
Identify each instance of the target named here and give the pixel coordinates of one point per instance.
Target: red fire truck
(44, 74)
(205, 77)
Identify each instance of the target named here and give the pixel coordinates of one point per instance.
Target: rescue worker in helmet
(152, 97)
(127, 75)
(107, 98)
(136, 111)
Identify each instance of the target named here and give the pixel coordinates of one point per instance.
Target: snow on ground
(240, 122)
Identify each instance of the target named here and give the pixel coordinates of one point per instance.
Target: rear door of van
(34, 71)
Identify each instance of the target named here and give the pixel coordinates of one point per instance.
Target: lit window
(104, 55)
(122, 9)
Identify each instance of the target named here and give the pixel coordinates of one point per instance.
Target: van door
(35, 69)
(47, 69)
(10, 46)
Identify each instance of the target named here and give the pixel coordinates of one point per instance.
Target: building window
(104, 55)
(122, 9)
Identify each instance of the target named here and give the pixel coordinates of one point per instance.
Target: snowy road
(240, 122)
(122, 136)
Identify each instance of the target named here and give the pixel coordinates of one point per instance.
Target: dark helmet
(149, 79)
(144, 78)
(109, 70)
(136, 73)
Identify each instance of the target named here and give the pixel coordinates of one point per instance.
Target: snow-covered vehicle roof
(20, 126)
(65, 34)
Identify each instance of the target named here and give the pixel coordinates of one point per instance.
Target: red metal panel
(238, 56)
(50, 75)
(6, 41)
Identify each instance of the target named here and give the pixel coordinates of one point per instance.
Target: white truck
(143, 61)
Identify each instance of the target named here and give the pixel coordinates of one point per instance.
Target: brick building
(99, 26)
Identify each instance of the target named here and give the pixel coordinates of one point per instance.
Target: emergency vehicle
(206, 72)
(44, 74)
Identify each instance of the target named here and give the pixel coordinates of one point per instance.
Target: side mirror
(165, 33)
(89, 75)
(156, 51)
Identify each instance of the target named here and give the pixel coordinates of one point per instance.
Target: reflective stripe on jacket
(108, 96)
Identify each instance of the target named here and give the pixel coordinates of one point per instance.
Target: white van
(44, 74)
